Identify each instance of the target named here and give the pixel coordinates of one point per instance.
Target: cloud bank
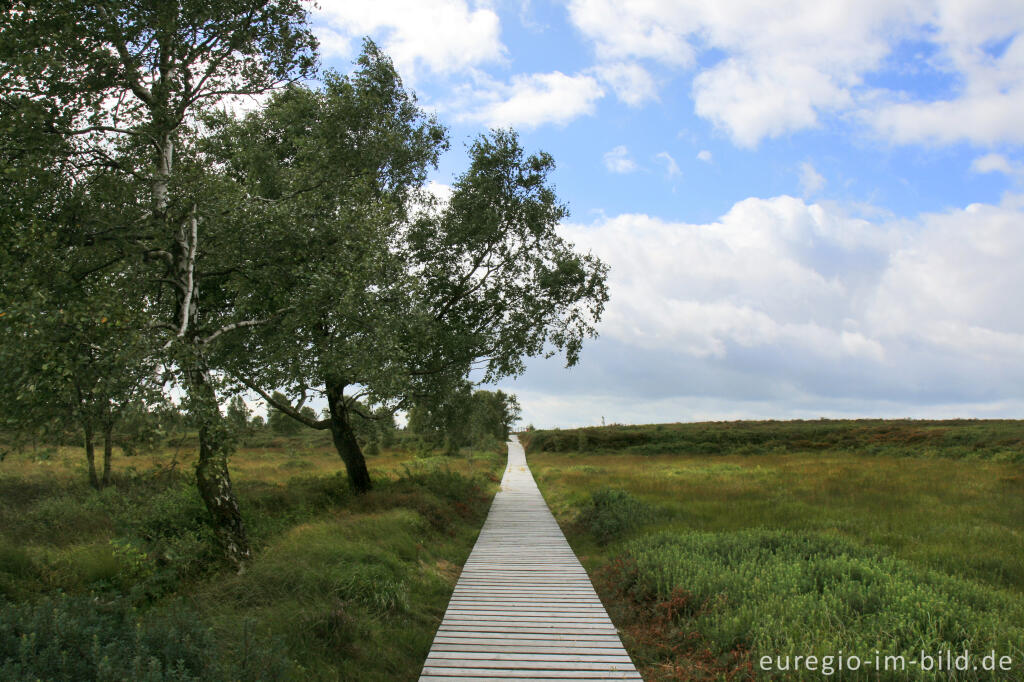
(788, 308)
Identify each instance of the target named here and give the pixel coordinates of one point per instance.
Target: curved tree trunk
(212, 476)
(345, 439)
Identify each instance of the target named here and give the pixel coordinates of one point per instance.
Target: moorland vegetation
(714, 544)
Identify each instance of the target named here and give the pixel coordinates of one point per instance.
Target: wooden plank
(524, 607)
(489, 653)
(524, 646)
(490, 674)
(471, 678)
(555, 638)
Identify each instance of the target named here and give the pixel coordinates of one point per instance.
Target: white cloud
(758, 276)
(334, 43)
(433, 196)
(622, 30)
(988, 103)
(954, 284)
(754, 99)
(443, 35)
(794, 301)
(439, 190)
(811, 181)
(985, 118)
(787, 65)
(704, 155)
(671, 167)
(631, 83)
(617, 160)
(996, 163)
(531, 100)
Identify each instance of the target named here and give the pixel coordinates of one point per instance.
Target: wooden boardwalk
(524, 607)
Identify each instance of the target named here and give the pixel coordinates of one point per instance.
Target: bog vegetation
(715, 544)
(996, 440)
(130, 583)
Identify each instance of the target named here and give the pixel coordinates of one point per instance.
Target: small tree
(492, 416)
(238, 415)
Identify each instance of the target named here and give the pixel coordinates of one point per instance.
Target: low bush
(83, 638)
(611, 514)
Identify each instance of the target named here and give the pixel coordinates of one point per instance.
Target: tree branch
(153, 254)
(284, 408)
(131, 72)
(190, 268)
(243, 324)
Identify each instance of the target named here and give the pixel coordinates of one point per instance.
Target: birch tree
(390, 303)
(122, 83)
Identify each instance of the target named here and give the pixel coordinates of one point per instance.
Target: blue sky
(810, 208)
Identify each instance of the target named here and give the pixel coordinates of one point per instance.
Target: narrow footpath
(524, 607)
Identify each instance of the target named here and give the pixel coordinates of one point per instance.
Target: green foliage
(496, 274)
(139, 429)
(81, 638)
(400, 310)
(781, 547)
(611, 514)
(173, 527)
(372, 425)
(788, 593)
(119, 225)
(464, 417)
(17, 570)
(587, 439)
(341, 586)
(238, 417)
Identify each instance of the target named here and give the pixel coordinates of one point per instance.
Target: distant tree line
(157, 243)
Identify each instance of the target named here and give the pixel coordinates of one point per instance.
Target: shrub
(444, 483)
(82, 638)
(173, 526)
(611, 514)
